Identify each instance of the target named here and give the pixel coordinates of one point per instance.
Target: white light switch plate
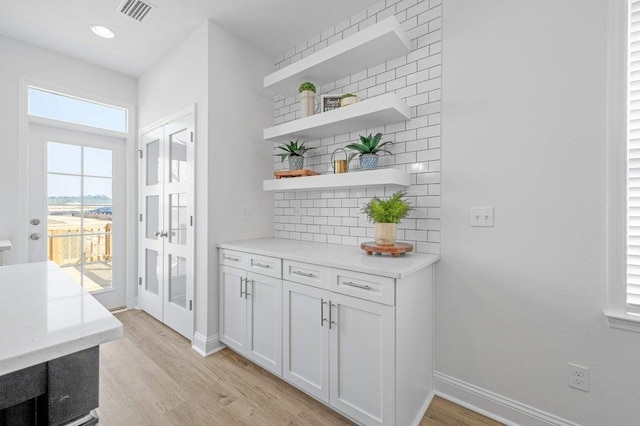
(481, 216)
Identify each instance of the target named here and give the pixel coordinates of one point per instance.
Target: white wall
(223, 76)
(34, 63)
(239, 158)
(524, 130)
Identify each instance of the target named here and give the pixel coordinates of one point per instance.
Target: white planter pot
(386, 233)
(307, 103)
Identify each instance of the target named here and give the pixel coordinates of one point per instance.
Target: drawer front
(364, 286)
(236, 259)
(306, 273)
(270, 266)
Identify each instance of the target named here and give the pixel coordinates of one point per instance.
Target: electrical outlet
(481, 216)
(247, 213)
(578, 377)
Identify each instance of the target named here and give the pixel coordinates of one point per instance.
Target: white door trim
(131, 208)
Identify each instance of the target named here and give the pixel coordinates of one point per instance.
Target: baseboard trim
(423, 410)
(493, 405)
(206, 346)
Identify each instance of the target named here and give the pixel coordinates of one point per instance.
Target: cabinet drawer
(233, 258)
(364, 286)
(264, 265)
(306, 273)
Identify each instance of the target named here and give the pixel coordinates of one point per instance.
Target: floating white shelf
(372, 46)
(341, 180)
(373, 112)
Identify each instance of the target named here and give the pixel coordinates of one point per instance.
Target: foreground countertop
(335, 256)
(45, 314)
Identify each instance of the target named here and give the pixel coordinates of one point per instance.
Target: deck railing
(67, 245)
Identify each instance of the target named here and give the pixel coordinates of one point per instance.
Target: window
(56, 106)
(623, 310)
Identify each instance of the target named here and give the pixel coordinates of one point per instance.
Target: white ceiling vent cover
(135, 9)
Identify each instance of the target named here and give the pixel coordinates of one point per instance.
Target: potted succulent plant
(307, 99)
(295, 154)
(348, 99)
(386, 214)
(368, 148)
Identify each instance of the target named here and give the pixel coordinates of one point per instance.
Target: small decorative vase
(348, 101)
(308, 103)
(369, 161)
(296, 162)
(386, 233)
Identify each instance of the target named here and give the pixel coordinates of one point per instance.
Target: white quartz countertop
(336, 256)
(45, 314)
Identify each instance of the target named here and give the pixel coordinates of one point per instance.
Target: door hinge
(191, 220)
(139, 280)
(140, 153)
(191, 136)
(191, 305)
(140, 217)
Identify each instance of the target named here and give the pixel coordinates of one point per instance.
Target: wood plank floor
(151, 376)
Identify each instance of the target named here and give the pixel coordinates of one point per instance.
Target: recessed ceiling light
(102, 31)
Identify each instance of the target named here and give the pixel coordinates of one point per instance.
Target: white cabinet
(251, 316)
(359, 342)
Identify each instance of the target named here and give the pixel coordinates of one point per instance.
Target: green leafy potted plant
(386, 214)
(348, 99)
(295, 154)
(307, 99)
(368, 148)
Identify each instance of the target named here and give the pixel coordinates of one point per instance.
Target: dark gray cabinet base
(52, 393)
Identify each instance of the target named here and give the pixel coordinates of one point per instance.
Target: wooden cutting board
(395, 250)
(294, 173)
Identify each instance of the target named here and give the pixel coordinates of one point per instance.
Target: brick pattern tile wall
(333, 216)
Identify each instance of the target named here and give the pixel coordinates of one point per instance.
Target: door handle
(246, 289)
(331, 305)
(322, 318)
(158, 233)
(164, 234)
(241, 279)
(35, 236)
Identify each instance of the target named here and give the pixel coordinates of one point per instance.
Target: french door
(77, 208)
(166, 190)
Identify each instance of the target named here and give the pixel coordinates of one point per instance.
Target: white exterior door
(77, 207)
(264, 321)
(362, 359)
(233, 313)
(306, 338)
(166, 233)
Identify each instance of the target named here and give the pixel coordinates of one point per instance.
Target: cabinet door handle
(261, 265)
(331, 305)
(352, 284)
(322, 318)
(246, 289)
(233, 259)
(304, 274)
(241, 292)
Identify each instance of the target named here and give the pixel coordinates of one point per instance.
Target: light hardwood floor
(151, 376)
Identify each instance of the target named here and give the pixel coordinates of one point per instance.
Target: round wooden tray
(396, 250)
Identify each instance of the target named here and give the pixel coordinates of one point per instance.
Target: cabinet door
(233, 311)
(306, 338)
(362, 359)
(264, 321)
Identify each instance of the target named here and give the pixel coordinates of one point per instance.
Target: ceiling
(63, 26)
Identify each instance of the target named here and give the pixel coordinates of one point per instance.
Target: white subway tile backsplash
(335, 216)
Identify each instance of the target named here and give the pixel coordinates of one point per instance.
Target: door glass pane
(178, 281)
(153, 271)
(178, 218)
(98, 162)
(63, 158)
(152, 211)
(178, 154)
(80, 212)
(153, 162)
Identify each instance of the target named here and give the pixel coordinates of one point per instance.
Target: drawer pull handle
(352, 284)
(261, 265)
(304, 274)
(233, 259)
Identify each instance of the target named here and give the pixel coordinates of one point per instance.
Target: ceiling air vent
(135, 9)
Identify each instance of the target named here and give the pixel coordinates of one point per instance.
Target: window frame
(617, 312)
